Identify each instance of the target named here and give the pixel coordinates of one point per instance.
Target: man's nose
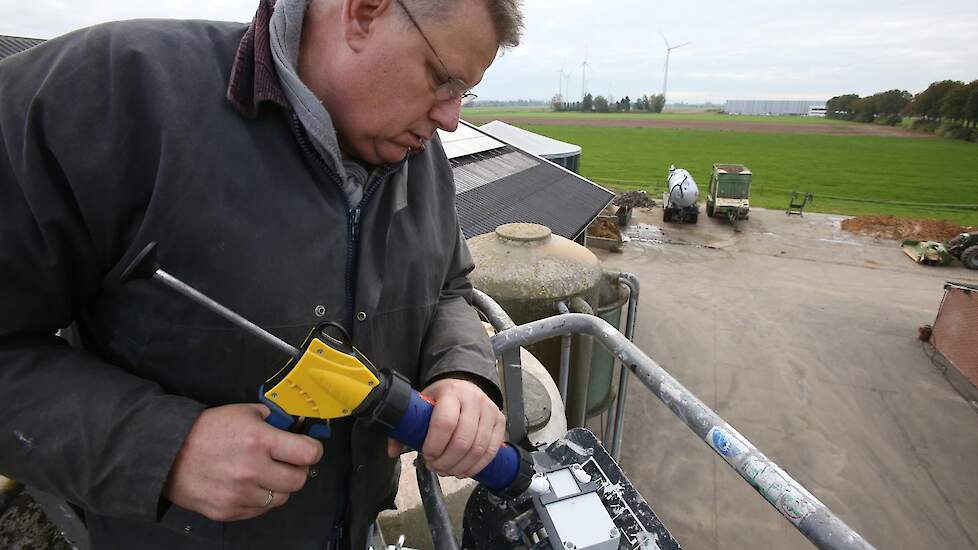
(446, 114)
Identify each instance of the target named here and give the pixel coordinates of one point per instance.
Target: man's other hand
(231, 459)
(466, 429)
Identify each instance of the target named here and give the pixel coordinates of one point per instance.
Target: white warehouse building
(774, 107)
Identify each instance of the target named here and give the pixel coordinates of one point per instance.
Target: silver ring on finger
(268, 499)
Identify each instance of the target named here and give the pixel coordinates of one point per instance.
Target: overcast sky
(762, 49)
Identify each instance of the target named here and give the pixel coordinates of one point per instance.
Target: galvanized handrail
(497, 316)
(617, 419)
(512, 369)
(577, 391)
(809, 515)
(565, 352)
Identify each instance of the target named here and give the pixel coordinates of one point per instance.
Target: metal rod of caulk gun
(242, 323)
(145, 266)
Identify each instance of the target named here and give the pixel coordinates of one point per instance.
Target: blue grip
(318, 429)
(282, 420)
(277, 418)
(413, 428)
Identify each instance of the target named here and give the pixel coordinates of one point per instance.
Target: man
(288, 169)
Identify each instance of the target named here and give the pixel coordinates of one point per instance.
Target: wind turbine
(561, 76)
(585, 66)
(665, 79)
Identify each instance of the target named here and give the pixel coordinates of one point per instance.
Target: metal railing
(795, 503)
(616, 420)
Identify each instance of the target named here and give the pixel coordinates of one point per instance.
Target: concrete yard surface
(803, 338)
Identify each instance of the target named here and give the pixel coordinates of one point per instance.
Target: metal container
(527, 270)
(683, 191)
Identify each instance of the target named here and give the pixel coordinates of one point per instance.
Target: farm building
(772, 107)
(9, 45)
(498, 183)
(567, 155)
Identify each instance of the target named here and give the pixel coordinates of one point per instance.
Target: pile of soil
(891, 227)
(634, 199)
(606, 228)
(25, 527)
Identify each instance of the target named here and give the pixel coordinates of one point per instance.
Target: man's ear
(360, 19)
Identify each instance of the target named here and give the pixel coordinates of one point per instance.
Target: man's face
(379, 84)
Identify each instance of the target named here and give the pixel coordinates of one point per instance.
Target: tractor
(964, 247)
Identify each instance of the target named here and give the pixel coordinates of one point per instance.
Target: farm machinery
(679, 201)
(729, 192)
(964, 247)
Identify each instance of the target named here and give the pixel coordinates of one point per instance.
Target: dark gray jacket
(121, 134)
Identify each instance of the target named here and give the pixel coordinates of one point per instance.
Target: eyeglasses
(452, 87)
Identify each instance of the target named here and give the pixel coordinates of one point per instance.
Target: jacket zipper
(352, 241)
(353, 252)
(353, 215)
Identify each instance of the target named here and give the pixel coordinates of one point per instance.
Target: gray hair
(506, 15)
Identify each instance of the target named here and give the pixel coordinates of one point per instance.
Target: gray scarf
(285, 35)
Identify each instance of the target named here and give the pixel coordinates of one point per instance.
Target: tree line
(600, 104)
(507, 103)
(947, 107)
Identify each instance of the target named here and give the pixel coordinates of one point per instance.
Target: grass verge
(854, 175)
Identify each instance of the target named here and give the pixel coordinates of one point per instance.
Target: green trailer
(729, 192)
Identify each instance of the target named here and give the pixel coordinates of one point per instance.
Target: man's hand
(466, 429)
(231, 459)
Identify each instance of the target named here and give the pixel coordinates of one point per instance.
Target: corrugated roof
(543, 194)
(9, 45)
(484, 168)
(507, 184)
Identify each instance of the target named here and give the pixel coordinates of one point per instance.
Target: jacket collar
(253, 78)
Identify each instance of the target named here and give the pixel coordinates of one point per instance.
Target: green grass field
(885, 169)
(544, 112)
